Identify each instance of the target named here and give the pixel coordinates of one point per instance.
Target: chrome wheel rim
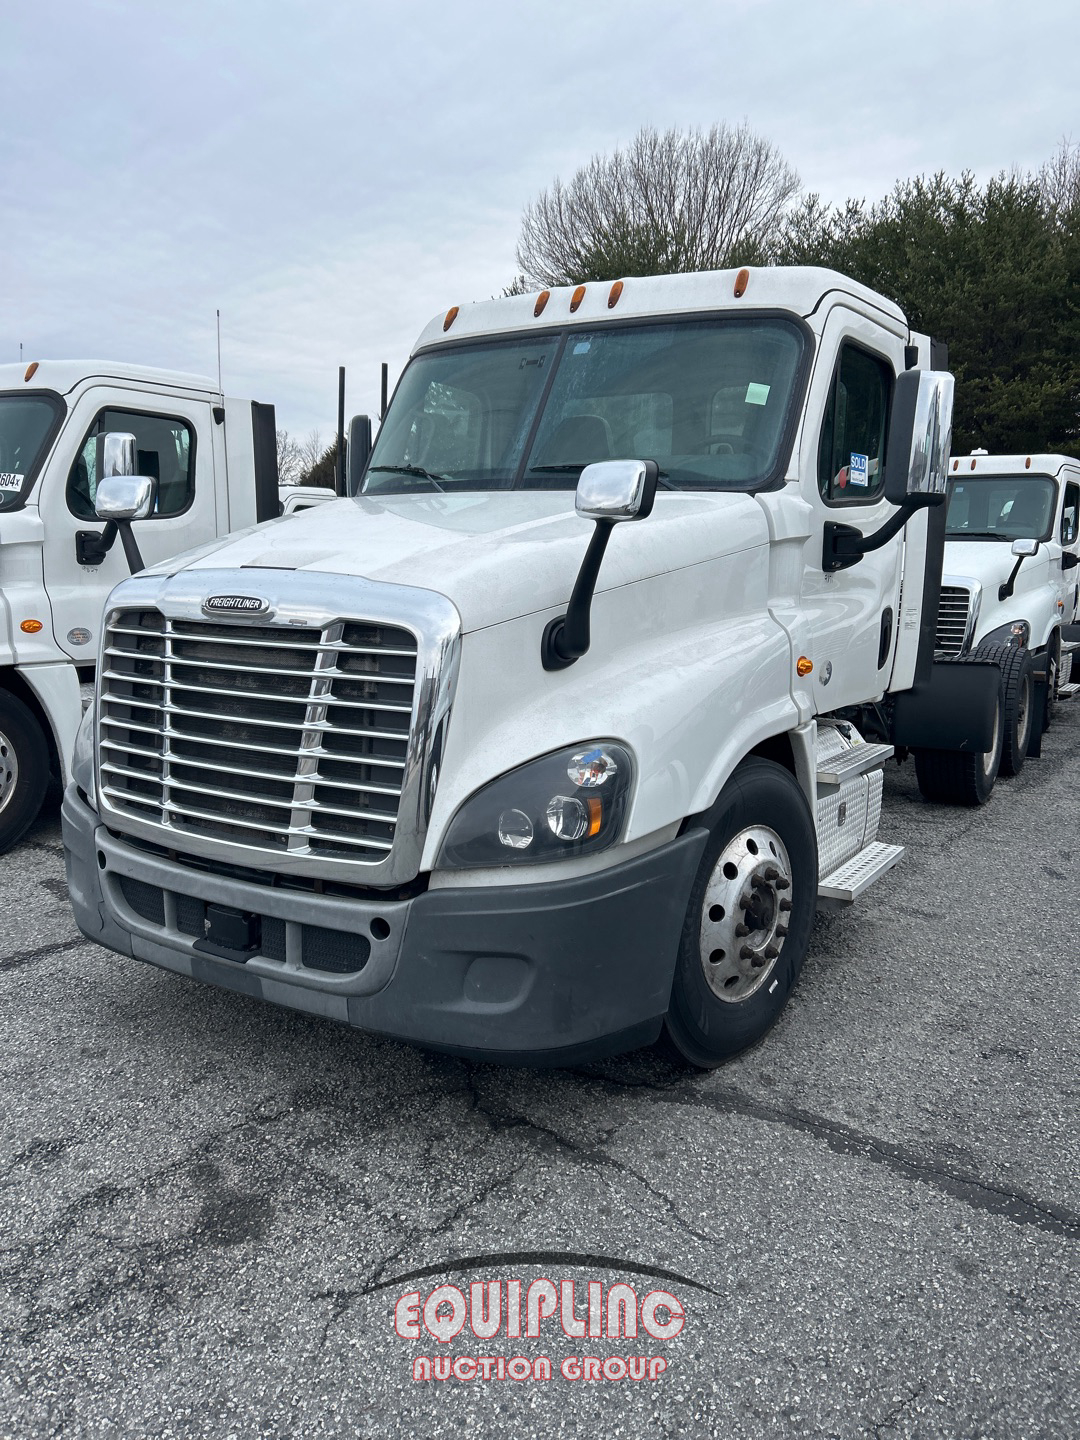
(745, 914)
(9, 770)
(990, 757)
(1023, 716)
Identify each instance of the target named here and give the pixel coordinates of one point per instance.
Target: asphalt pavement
(211, 1206)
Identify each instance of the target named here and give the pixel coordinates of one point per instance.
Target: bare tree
(311, 452)
(1059, 180)
(668, 202)
(289, 464)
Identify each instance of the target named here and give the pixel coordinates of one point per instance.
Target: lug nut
(782, 884)
(771, 952)
(746, 953)
(757, 882)
(781, 930)
(785, 905)
(742, 929)
(771, 872)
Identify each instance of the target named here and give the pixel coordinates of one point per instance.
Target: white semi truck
(469, 760)
(1010, 591)
(214, 465)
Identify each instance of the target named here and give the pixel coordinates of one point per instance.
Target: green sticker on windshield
(756, 394)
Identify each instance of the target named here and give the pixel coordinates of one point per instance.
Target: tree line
(992, 269)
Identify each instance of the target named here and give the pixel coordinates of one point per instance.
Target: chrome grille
(282, 738)
(954, 609)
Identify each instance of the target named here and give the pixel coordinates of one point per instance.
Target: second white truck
(213, 462)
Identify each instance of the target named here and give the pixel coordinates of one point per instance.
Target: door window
(164, 450)
(851, 454)
(1070, 515)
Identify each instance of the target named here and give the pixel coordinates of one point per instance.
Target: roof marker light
(576, 298)
(31, 371)
(1027, 463)
(613, 295)
(451, 316)
(742, 280)
(956, 464)
(541, 301)
(973, 464)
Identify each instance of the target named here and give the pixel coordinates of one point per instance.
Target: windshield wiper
(662, 478)
(976, 535)
(415, 470)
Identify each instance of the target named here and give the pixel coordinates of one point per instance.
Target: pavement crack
(1014, 1205)
(25, 957)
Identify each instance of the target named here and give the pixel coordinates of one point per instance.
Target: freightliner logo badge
(237, 604)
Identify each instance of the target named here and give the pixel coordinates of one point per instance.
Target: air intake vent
(954, 610)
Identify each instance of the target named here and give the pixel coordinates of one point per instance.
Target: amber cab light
(541, 301)
(31, 371)
(742, 279)
(451, 316)
(613, 295)
(576, 298)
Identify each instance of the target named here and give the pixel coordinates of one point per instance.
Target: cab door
(853, 612)
(174, 445)
(1069, 538)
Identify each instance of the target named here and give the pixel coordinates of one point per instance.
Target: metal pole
(340, 485)
(385, 387)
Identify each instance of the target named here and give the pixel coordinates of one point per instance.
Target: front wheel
(24, 769)
(748, 920)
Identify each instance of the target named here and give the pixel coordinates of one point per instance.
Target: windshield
(1000, 507)
(26, 423)
(712, 401)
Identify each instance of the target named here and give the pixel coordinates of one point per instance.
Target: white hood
(497, 554)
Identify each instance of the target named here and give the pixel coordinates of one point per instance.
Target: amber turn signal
(804, 665)
(31, 627)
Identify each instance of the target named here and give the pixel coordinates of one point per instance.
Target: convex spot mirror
(617, 490)
(121, 494)
(1025, 547)
(920, 433)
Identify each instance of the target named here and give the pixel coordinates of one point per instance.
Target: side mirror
(1021, 549)
(1025, 547)
(607, 492)
(920, 433)
(612, 490)
(357, 452)
(125, 497)
(115, 454)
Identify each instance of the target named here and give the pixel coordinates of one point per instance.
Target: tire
(1018, 692)
(957, 777)
(24, 769)
(759, 870)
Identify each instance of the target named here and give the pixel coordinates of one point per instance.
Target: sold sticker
(857, 474)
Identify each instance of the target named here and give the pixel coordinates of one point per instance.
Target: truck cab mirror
(607, 492)
(126, 497)
(916, 464)
(1021, 549)
(115, 454)
(119, 499)
(920, 432)
(612, 490)
(357, 452)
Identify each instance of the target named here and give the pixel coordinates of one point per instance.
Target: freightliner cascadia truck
(548, 740)
(1010, 592)
(213, 463)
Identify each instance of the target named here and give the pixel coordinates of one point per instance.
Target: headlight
(82, 756)
(570, 803)
(1016, 632)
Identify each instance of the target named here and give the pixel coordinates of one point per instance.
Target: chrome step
(856, 761)
(846, 884)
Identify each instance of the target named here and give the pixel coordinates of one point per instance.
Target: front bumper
(551, 973)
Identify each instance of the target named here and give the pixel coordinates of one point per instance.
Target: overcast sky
(332, 174)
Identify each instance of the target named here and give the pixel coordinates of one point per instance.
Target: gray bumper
(549, 973)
